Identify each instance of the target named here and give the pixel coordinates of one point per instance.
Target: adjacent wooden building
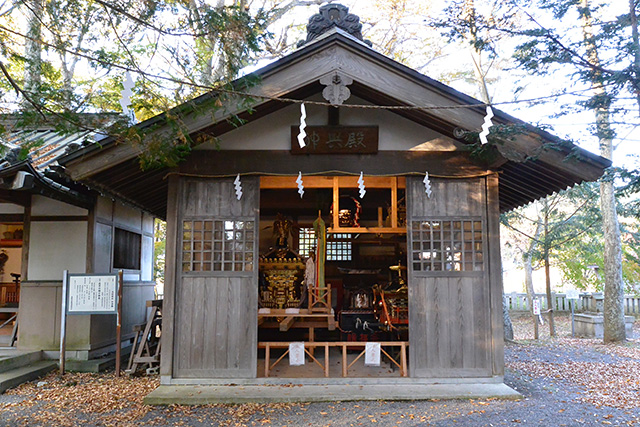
(369, 115)
(49, 224)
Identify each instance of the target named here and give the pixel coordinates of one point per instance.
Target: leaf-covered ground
(564, 381)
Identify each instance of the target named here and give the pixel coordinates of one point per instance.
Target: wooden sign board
(92, 294)
(336, 140)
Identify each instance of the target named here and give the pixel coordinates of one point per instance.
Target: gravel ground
(564, 381)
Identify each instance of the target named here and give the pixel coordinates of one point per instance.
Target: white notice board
(573, 294)
(92, 294)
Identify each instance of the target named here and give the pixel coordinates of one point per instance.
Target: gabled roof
(532, 166)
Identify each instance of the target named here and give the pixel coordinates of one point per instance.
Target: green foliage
(175, 50)
(629, 192)
(574, 238)
(545, 50)
(159, 250)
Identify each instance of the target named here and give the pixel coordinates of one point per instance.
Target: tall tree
(33, 53)
(577, 52)
(614, 327)
(635, 47)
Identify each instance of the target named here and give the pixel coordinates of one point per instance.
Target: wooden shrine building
(415, 267)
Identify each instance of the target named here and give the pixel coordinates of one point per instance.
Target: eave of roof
(519, 180)
(46, 186)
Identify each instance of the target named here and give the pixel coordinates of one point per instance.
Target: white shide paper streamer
(300, 184)
(303, 124)
(361, 185)
(487, 124)
(427, 184)
(238, 186)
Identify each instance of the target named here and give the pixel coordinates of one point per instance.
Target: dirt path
(564, 381)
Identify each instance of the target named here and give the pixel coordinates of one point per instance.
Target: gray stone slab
(591, 325)
(23, 374)
(13, 359)
(202, 395)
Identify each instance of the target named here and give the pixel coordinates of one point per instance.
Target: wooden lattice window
(218, 245)
(447, 245)
(338, 244)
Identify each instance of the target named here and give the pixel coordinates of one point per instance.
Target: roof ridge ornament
(333, 15)
(336, 90)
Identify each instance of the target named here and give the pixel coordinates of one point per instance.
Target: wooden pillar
(495, 275)
(166, 361)
(26, 237)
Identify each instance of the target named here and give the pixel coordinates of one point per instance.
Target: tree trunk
(547, 272)
(33, 53)
(528, 269)
(614, 287)
(508, 326)
(528, 277)
(476, 53)
(528, 284)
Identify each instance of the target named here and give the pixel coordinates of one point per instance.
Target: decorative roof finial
(333, 15)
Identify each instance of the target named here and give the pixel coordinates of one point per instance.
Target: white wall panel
(57, 246)
(10, 208)
(43, 206)
(273, 132)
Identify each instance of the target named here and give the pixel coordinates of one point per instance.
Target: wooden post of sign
(573, 328)
(119, 323)
(63, 320)
(536, 313)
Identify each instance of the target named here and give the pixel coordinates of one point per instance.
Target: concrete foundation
(203, 395)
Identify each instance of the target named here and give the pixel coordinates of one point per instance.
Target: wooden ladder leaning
(146, 343)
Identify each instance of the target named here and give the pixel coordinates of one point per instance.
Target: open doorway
(11, 237)
(360, 294)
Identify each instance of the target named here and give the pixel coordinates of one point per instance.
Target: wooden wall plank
(209, 338)
(470, 331)
(221, 328)
(197, 328)
(481, 314)
(182, 350)
(444, 315)
(418, 335)
(236, 341)
(457, 290)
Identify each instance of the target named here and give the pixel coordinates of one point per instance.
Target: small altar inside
(290, 295)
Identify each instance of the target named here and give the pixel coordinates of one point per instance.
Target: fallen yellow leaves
(615, 385)
(102, 396)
